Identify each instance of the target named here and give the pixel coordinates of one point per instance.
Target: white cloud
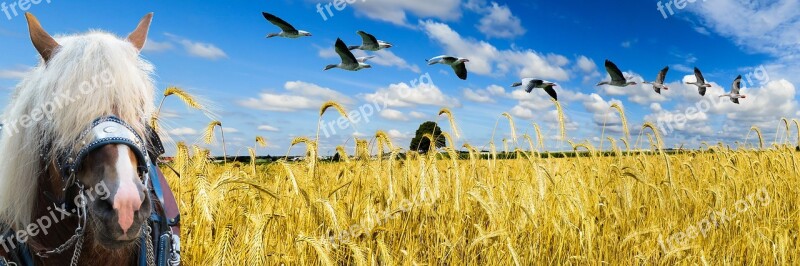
(314, 90)
(656, 107)
(629, 43)
(397, 135)
(602, 114)
(199, 49)
(484, 95)
(155, 46)
(477, 96)
(397, 11)
(302, 95)
(16, 73)
(682, 68)
(536, 99)
(586, 65)
(183, 131)
(486, 59)
(771, 26)
(522, 112)
(417, 115)
(403, 95)
(497, 21)
(588, 68)
(392, 114)
(230, 130)
(268, 128)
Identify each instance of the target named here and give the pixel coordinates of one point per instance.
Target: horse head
(100, 171)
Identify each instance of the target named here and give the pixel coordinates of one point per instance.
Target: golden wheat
(437, 209)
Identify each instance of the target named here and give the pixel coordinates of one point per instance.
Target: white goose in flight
(617, 79)
(287, 30)
(658, 85)
(531, 84)
(370, 43)
(349, 62)
(700, 83)
(457, 63)
(734, 95)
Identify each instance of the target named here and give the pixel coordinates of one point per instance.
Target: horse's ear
(43, 42)
(139, 36)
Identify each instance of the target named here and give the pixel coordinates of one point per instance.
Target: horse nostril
(104, 207)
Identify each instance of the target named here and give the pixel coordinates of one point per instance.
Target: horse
(77, 180)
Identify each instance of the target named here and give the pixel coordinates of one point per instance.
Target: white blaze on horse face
(127, 200)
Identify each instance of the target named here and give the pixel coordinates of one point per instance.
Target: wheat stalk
(208, 136)
(452, 121)
(561, 122)
(621, 113)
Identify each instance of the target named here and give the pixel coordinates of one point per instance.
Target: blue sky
(274, 87)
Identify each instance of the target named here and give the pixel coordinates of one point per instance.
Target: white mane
(91, 75)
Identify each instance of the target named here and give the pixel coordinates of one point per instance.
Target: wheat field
(711, 206)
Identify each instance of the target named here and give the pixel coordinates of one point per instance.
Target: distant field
(711, 208)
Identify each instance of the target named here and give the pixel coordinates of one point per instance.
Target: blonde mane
(91, 75)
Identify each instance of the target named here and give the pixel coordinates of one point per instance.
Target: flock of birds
(370, 43)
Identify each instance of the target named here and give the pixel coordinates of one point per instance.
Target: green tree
(421, 144)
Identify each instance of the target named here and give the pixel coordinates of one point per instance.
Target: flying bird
(287, 30)
(700, 83)
(369, 43)
(531, 84)
(734, 95)
(658, 85)
(457, 63)
(349, 62)
(617, 79)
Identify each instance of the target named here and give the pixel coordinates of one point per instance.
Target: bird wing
(461, 70)
(614, 72)
(699, 76)
(657, 89)
(364, 59)
(344, 53)
(534, 83)
(551, 91)
(702, 91)
(435, 59)
(662, 75)
(736, 85)
(367, 39)
(449, 60)
(285, 26)
(735, 100)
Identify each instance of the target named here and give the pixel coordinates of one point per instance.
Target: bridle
(102, 131)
